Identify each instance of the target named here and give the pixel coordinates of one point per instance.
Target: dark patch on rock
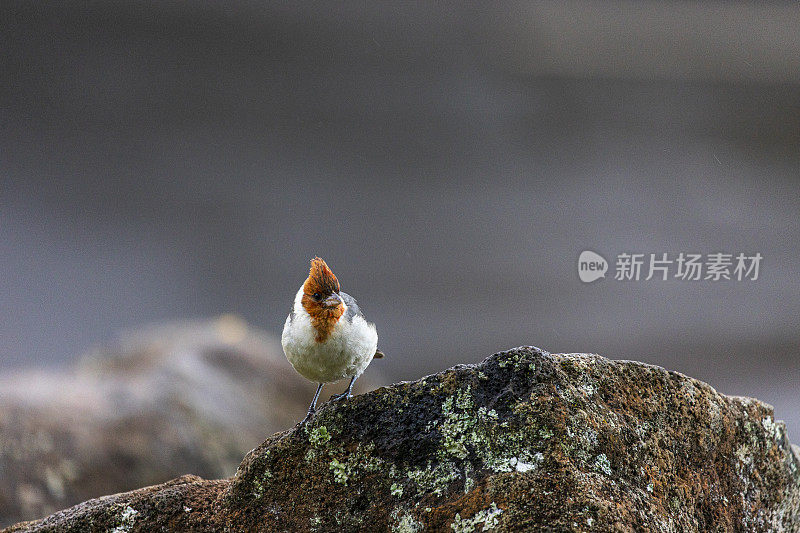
(524, 441)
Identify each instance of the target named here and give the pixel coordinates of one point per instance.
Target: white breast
(346, 353)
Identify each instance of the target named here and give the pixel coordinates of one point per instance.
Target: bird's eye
(317, 296)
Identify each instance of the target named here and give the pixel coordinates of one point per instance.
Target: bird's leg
(313, 407)
(346, 394)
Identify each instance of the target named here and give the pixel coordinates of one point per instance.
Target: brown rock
(524, 441)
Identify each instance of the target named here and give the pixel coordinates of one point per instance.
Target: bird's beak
(332, 302)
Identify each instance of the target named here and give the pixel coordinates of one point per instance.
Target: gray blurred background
(169, 160)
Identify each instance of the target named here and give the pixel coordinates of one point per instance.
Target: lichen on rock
(525, 440)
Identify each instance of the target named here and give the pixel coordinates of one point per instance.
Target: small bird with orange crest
(326, 337)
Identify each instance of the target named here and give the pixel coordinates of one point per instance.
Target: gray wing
(352, 307)
(353, 311)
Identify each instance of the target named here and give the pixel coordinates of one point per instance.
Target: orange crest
(320, 279)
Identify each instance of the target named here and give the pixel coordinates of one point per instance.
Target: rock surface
(524, 441)
(155, 404)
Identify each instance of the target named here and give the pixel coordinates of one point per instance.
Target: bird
(326, 337)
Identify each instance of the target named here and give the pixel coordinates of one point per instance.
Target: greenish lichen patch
(319, 436)
(518, 360)
(485, 520)
(258, 488)
(602, 464)
(340, 471)
(434, 479)
(356, 464)
(773, 430)
(470, 431)
(127, 519)
(404, 522)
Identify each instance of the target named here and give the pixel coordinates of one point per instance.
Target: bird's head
(321, 298)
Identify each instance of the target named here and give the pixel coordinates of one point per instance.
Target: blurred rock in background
(185, 398)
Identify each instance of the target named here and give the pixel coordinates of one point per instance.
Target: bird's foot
(309, 416)
(343, 396)
(346, 394)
